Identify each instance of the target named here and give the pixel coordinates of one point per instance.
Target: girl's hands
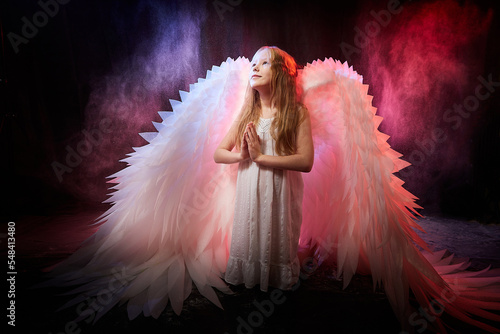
(252, 142)
(244, 154)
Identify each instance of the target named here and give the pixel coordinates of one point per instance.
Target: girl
(169, 223)
(272, 136)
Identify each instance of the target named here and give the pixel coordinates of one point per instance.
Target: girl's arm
(301, 161)
(223, 152)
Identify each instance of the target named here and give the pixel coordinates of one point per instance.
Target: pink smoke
(424, 61)
(126, 101)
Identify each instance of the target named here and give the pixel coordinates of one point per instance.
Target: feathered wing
(170, 222)
(357, 212)
(171, 218)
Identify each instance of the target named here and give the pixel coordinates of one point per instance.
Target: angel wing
(170, 222)
(357, 212)
(171, 218)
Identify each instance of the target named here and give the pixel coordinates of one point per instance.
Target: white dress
(267, 220)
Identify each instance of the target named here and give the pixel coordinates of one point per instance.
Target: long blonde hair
(290, 112)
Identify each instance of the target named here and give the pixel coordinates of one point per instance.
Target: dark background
(105, 67)
(121, 61)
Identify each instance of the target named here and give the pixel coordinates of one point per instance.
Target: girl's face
(260, 72)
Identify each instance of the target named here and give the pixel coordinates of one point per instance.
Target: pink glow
(418, 66)
(128, 98)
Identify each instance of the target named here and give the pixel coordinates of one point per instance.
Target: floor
(318, 305)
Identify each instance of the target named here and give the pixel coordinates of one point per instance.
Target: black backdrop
(104, 68)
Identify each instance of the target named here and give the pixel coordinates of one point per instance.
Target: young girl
(272, 136)
(168, 226)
